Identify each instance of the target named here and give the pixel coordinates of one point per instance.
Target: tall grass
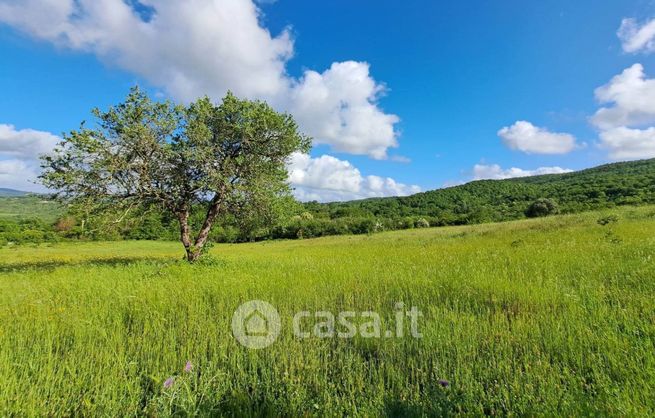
(539, 317)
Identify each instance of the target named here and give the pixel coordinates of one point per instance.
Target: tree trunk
(201, 239)
(185, 236)
(193, 254)
(193, 251)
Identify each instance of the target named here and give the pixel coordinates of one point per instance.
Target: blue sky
(399, 96)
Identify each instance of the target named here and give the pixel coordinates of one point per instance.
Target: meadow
(30, 207)
(552, 316)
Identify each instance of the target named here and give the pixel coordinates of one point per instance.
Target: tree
(542, 207)
(143, 155)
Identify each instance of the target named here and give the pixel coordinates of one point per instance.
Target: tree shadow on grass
(51, 265)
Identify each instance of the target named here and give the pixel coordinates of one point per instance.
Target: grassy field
(29, 207)
(538, 317)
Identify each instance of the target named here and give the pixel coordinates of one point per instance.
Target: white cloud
(19, 175)
(637, 37)
(633, 99)
(626, 130)
(629, 144)
(496, 172)
(19, 153)
(327, 178)
(338, 107)
(205, 47)
(25, 143)
(191, 47)
(400, 159)
(524, 136)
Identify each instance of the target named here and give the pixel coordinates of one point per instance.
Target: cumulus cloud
(19, 153)
(636, 37)
(632, 99)
(19, 175)
(193, 48)
(626, 130)
(25, 143)
(337, 107)
(524, 136)
(629, 144)
(496, 172)
(327, 178)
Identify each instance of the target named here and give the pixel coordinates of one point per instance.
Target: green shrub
(542, 207)
(32, 236)
(422, 223)
(606, 220)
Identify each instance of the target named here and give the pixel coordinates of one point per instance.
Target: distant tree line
(630, 183)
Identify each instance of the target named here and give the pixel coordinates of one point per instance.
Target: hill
(30, 218)
(29, 206)
(11, 192)
(626, 183)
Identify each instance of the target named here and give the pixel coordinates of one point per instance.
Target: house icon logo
(256, 324)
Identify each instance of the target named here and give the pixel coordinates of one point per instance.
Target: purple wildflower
(188, 367)
(169, 382)
(444, 383)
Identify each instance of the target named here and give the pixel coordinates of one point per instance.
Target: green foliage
(629, 183)
(541, 317)
(30, 207)
(145, 155)
(422, 223)
(606, 220)
(26, 231)
(542, 207)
